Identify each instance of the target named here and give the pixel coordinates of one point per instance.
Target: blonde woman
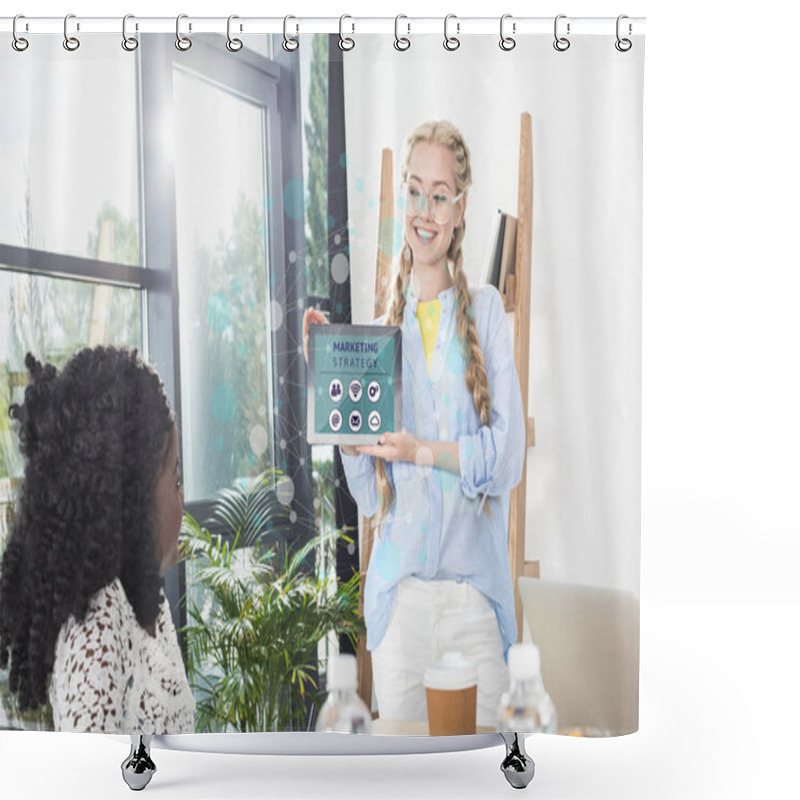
(439, 576)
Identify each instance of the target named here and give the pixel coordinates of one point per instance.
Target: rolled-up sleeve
(491, 459)
(360, 473)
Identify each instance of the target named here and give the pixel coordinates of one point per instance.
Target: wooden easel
(517, 298)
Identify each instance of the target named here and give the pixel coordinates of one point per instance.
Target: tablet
(354, 383)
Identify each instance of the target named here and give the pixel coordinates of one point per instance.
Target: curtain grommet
(71, 43)
(346, 43)
(19, 43)
(561, 43)
(290, 43)
(129, 43)
(233, 44)
(183, 43)
(623, 44)
(401, 43)
(507, 43)
(451, 43)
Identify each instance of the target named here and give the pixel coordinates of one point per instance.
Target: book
(494, 254)
(508, 259)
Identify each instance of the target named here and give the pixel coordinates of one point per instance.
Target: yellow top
(428, 314)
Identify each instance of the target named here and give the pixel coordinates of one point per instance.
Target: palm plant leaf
(252, 642)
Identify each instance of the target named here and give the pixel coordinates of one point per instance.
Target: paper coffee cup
(451, 688)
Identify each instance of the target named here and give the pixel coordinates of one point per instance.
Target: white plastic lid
(524, 662)
(342, 672)
(451, 673)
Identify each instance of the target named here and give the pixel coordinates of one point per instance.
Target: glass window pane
(68, 150)
(314, 94)
(221, 191)
(52, 318)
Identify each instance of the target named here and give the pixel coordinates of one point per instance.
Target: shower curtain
(193, 201)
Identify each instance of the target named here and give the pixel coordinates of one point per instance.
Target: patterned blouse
(111, 676)
(437, 527)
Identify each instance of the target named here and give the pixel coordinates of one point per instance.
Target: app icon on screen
(355, 421)
(355, 390)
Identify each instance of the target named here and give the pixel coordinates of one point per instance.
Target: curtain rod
(462, 26)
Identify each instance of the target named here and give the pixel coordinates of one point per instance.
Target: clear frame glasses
(440, 202)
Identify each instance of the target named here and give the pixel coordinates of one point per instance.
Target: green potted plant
(257, 613)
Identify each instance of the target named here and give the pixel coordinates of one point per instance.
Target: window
(69, 263)
(223, 263)
(167, 201)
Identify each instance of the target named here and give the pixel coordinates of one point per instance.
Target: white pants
(427, 619)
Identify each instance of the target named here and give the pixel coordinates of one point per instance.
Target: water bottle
(526, 707)
(343, 711)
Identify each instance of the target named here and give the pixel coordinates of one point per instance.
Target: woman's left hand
(399, 446)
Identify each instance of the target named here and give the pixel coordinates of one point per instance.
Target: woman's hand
(399, 446)
(312, 317)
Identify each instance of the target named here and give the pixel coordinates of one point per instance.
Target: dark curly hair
(93, 437)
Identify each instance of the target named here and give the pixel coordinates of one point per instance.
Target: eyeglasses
(440, 202)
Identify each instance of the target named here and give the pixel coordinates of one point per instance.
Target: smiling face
(169, 505)
(432, 170)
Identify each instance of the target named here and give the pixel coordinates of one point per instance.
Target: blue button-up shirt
(437, 527)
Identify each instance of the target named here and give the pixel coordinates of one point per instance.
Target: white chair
(588, 639)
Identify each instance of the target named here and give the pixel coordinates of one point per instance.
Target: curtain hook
(623, 45)
(401, 42)
(290, 43)
(234, 45)
(18, 43)
(561, 43)
(129, 43)
(507, 42)
(182, 42)
(451, 42)
(70, 42)
(345, 42)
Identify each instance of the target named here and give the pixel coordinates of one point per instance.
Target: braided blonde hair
(444, 133)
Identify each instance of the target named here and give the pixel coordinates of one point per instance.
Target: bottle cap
(342, 672)
(524, 662)
(451, 673)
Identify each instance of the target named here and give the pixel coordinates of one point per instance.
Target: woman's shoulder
(108, 609)
(486, 301)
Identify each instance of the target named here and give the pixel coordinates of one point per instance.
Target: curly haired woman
(83, 615)
(439, 577)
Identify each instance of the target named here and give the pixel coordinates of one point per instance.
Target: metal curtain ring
(70, 42)
(182, 42)
(290, 43)
(345, 42)
(129, 43)
(18, 42)
(561, 43)
(451, 42)
(233, 44)
(623, 45)
(401, 42)
(507, 42)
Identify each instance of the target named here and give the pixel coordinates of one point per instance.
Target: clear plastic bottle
(526, 707)
(343, 711)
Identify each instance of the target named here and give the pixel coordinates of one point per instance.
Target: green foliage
(261, 613)
(316, 132)
(231, 298)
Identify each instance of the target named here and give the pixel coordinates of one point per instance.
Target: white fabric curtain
(583, 491)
